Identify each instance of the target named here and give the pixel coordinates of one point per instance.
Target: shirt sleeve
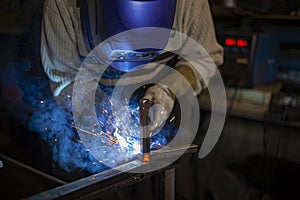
(59, 52)
(198, 24)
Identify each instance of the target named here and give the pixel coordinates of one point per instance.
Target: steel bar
(110, 180)
(35, 171)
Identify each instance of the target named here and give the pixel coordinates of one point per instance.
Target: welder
(72, 28)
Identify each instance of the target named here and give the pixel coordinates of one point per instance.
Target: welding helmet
(102, 19)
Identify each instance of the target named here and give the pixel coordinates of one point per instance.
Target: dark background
(256, 158)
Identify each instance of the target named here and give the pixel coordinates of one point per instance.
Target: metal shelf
(255, 15)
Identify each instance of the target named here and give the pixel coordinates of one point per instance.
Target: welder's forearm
(189, 75)
(178, 85)
(59, 56)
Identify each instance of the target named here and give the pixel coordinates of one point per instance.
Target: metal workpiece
(92, 187)
(144, 129)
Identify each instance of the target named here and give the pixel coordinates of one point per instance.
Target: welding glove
(163, 99)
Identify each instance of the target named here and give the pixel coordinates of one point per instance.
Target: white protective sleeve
(197, 22)
(59, 52)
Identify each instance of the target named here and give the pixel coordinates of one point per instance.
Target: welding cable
(264, 164)
(267, 122)
(270, 167)
(232, 100)
(283, 120)
(220, 142)
(265, 139)
(273, 165)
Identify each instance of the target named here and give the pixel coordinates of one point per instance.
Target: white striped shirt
(62, 39)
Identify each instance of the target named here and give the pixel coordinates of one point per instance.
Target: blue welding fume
(103, 19)
(250, 59)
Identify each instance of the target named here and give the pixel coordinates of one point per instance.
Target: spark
(116, 126)
(151, 133)
(85, 131)
(160, 123)
(102, 133)
(111, 138)
(172, 119)
(111, 103)
(105, 111)
(80, 141)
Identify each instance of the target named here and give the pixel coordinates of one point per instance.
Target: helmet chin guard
(102, 19)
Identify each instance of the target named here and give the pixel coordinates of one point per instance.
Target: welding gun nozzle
(144, 129)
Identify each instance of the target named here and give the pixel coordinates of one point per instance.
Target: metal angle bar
(81, 184)
(91, 185)
(35, 171)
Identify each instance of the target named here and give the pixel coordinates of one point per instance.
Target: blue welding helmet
(102, 19)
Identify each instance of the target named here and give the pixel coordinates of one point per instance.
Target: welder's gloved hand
(163, 98)
(162, 106)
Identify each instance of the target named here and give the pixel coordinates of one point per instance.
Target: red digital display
(236, 42)
(230, 42)
(242, 43)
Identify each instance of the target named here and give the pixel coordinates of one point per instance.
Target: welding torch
(144, 129)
